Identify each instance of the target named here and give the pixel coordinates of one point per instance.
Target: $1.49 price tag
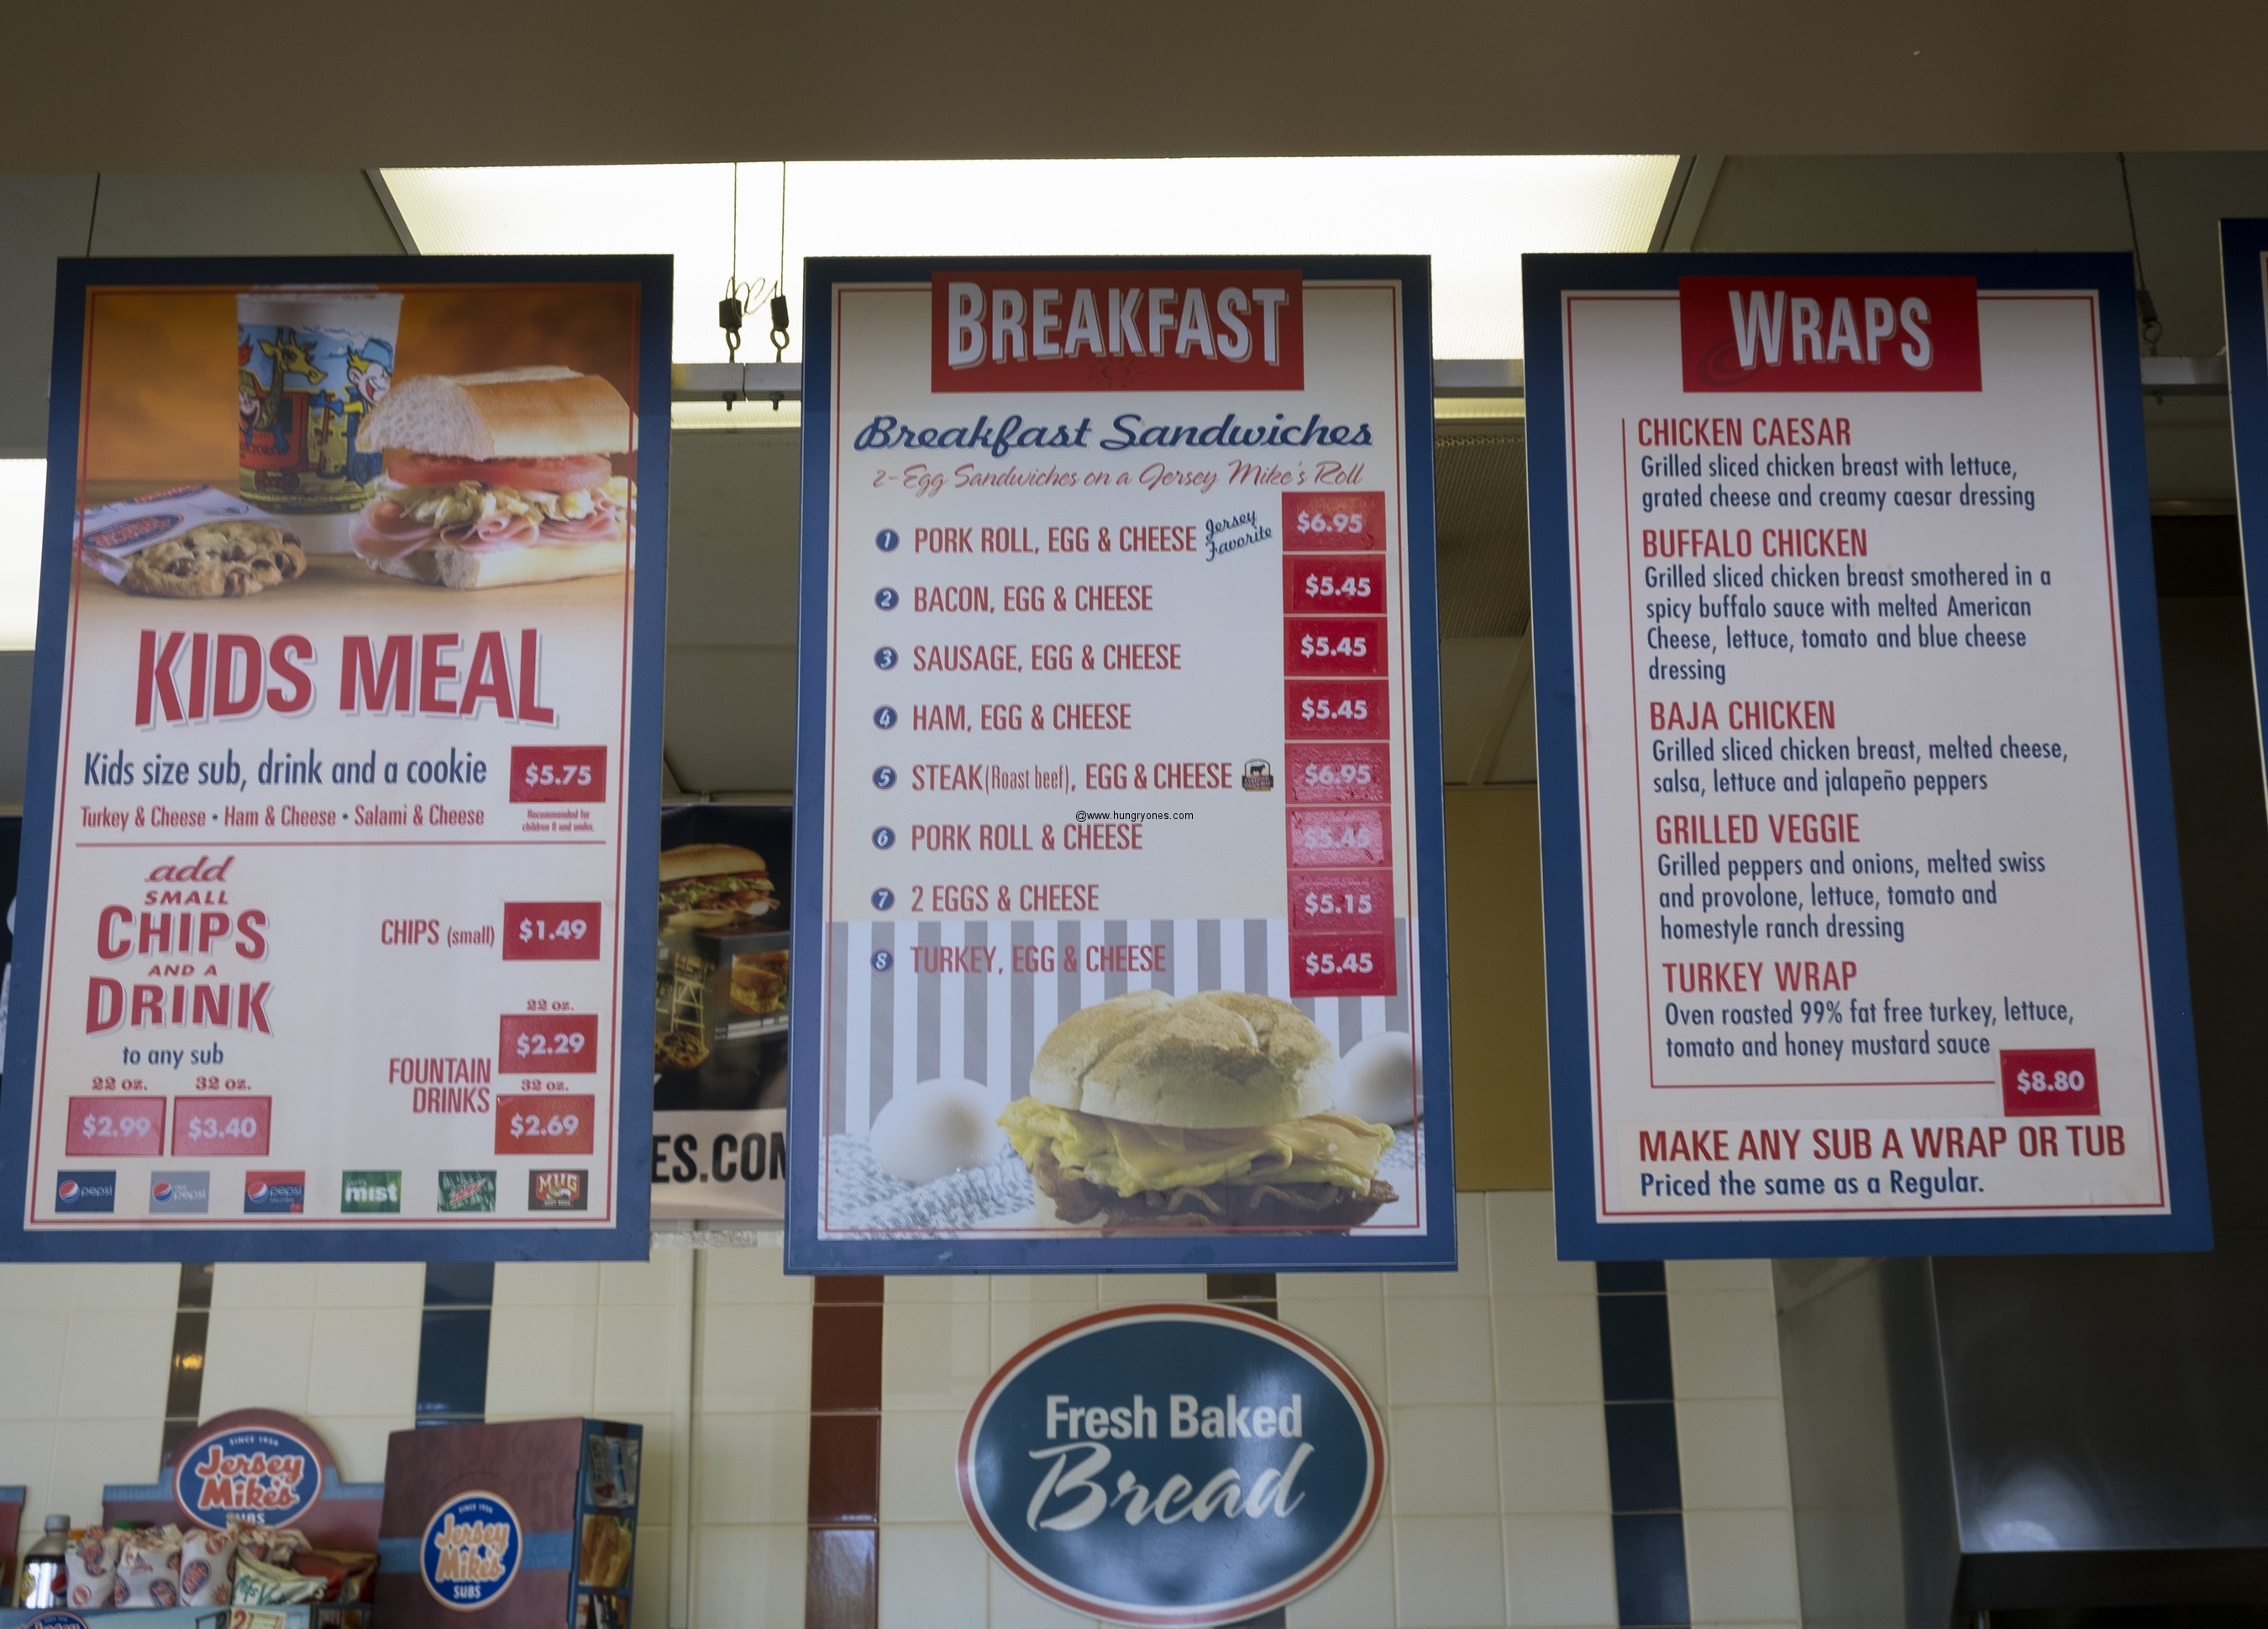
(548, 1044)
(558, 774)
(552, 930)
(222, 1125)
(119, 1126)
(531, 1123)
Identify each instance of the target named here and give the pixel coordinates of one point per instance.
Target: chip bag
(259, 1583)
(275, 1545)
(90, 1567)
(149, 1568)
(207, 1556)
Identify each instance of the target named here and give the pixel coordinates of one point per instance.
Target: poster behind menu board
(345, 763)
(1863, 918)
(1118, 824)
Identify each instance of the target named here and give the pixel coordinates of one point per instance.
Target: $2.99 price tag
(552, 930)
(222, 1125)
(548, 1044)
(120, 1125)
(558, 774)
(529, 1124)
(1315, 520)
(2048, 1081)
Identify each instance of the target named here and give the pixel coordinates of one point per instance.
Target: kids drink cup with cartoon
(310, 365)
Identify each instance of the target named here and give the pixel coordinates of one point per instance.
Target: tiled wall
(1499, 1510)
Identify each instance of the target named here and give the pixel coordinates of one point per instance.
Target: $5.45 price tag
(548, 1044)
(552, 930)
(558, 774)
(546, 1123)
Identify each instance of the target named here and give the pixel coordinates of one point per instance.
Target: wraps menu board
(1118, 825)
(1861, 907)
(334, 906)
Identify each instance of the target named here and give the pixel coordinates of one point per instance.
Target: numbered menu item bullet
(884, 836)
(886, 658)
(886, 540)
(885, 599)
(886, 777)
(886, 717)
(884, 899)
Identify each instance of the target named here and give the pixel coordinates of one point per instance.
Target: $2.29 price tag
(552, 930)
(532, 1123)
(115, 1125)
(548, 1044)
(558, 774)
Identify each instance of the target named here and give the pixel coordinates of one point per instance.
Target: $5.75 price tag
(546, 1124)
(548, 1044)
(558, 774)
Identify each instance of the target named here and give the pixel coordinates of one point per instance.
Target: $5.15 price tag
(119, 1126)
(548, 1044)
(552, 930)
(530, 1124)
(558, 774)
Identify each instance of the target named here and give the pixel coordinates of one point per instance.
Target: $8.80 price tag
(548, 1044)
(558, 774)
(552, 930)
(2049, 1080)
(222, 1125)
(544, 1124)
(119, 1126)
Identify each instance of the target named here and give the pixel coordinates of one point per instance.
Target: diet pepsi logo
(181, 1193)
(259, 1474)
(81, 1192)
(1176, 1466)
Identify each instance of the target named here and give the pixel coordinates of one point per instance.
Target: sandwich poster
(1118, 831)
(334, 915)
(1861, 903)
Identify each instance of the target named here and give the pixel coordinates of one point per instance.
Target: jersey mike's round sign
(1175, 1465)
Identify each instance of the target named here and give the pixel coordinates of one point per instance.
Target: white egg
(937, 1128)
(1378, 1079)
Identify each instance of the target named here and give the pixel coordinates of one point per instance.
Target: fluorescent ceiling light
(1476, 218)
(23, 490)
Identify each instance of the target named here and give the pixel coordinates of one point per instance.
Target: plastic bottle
(43, 1585)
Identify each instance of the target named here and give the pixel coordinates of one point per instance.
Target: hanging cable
(93, 209)
(780, 284)
(2143, 306)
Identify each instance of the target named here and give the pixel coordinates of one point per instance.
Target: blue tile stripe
(543, 1552)
(1643, 1484)
(452, 1343)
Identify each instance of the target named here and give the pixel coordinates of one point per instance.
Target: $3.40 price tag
(558, 774)
(222, 1125)
(119, 1126)
(548, 1044)
(552, 930)
(546, 1124)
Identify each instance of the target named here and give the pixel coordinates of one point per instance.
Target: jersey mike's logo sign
(471, 1551)
(1145, 330)
(260, 1473)
(1815, 333)
(1178, 1466)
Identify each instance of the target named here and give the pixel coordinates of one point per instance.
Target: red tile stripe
(842, 1501)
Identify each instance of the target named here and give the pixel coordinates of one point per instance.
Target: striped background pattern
(902, 1026)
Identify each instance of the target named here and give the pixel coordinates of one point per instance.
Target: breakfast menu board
(1118, 826)
(1862, 914)
(335, 932)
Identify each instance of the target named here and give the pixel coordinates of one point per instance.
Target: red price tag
(1339, 901)
(1334, 710)
(558, 774)
(122, 1125)
(2049, 1080)
(549, 930)
(1352, 645)
(1342, 964)
(539, 1123)
(548, 1044)
(222, 1125)
(1337, 837)
(1320, 520)
(1334, 584)
(1338, 772)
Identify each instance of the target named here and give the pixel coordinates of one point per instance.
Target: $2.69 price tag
(552, 930)
(558, 774)
(530, 1124)
(548, 1044)
(119, 1126)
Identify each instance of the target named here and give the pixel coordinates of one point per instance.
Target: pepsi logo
(161, 1191)
(67, 1190)
(256, 1191)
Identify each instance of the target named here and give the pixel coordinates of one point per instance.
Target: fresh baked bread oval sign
(1177, 1464)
